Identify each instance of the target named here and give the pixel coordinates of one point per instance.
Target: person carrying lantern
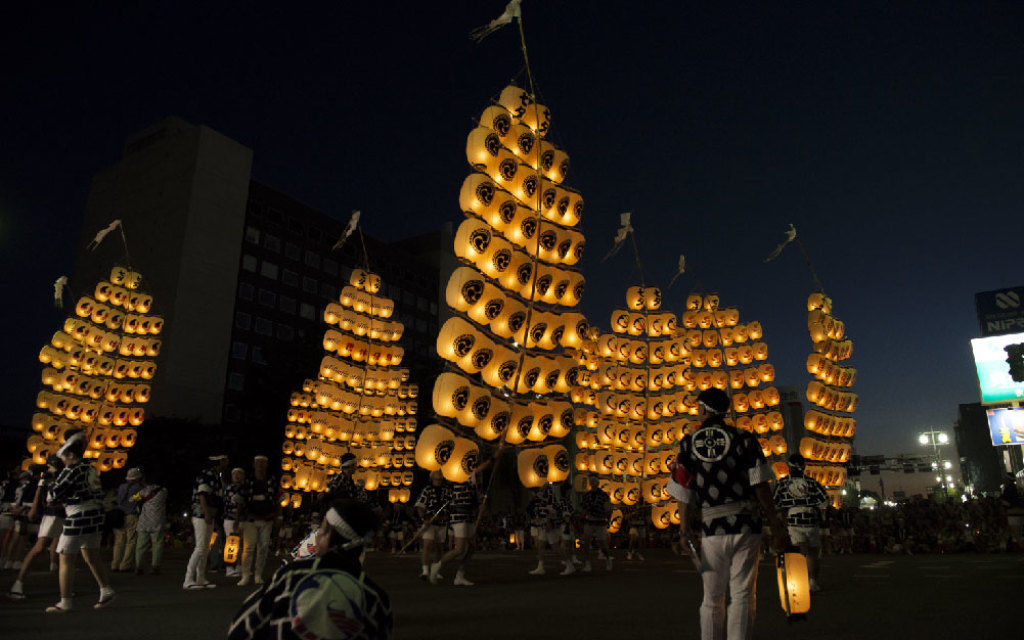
(464, 507)
(433, 507)
(722, 471)
(327, 595)
(49, 528)
(802, 499)
(205, 505)
(78, 487)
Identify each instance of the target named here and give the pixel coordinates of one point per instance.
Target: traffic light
(1015, 359)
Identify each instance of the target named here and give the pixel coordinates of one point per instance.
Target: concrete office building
(241, 274)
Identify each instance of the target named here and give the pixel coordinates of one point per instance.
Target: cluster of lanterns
(830, 426)
(97, 374)
(510, 341)
(361, 402)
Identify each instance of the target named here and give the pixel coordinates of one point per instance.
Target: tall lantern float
(511, 343)
(98, 369)
(359, 402)
(638, 414)
(830, 424)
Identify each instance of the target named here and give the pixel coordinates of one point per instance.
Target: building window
(269, 270)
(245, 290)
(409, 298)
(292, 251)
(330, 266)
(286, 304)
(267, 298)
(243, 320)
(249, 262)
(257, 355)
(309, 285)
(272, 242)
(394, 292)
(290, 278)
(239, 350)
(236, 382)
(264, 327)
(252, 234)
(433, 308)
(285, 332)
(422, 304)
(312, 259)
(328, 291)
(421, 325)
(307, 311)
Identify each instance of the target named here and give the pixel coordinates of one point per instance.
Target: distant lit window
(285, 332)
(243, 320)
(292, 251)
(290, 278)
(245, 290)
(249, 262)
(330, 266)
(252, 234)
(272, 242)
(307, 311)
(236, 382)
(286, 304)
(267, 298)
(264, 327)
(309, 285)
(328, 291)
(312, 259)
(239, 350)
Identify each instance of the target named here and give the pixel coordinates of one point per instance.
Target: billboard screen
(1006, 426)
(993, 370)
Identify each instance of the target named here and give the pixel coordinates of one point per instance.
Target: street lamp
(936, 439)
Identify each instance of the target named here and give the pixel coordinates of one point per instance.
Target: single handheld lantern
(231, 545)
(794, 588)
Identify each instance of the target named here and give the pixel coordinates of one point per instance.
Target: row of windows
(264, 327)
(292, 279)
(242, 351)
(292, 251)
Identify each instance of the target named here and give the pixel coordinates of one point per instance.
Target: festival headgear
(134, 474)
(237, 469)
(72, 442)
(260, 457)
(714, 399)
(352, 539)
(348, 460)
(53, 460)
(218, 457)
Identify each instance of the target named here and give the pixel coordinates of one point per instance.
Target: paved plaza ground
(866, 596)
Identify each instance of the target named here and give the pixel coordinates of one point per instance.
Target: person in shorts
(78, 488)
(50, 527)
(802, 499)
(433, 507)
(596, 508)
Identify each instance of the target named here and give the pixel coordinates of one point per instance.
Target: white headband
(78, 437)
(345, 529)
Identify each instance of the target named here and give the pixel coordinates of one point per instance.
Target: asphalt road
(866, 596)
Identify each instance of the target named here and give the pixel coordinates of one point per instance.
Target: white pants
(196, 571)
(256, 542)
(731, 562)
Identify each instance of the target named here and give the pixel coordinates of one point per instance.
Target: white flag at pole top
(680, 271)
(352, 222)
(620, 236)
(790, 237)
(58, 291)
(512, 11)
(102, 234)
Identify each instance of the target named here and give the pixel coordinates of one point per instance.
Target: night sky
(890, 134)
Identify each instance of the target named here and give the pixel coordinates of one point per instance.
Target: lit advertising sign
(1006, 426)
(993, 370)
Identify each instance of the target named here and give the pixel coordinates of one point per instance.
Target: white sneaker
(629, 555)
(460, 581)
(244, 581)
(569, 569)
(639, 556)
(539, 571)
(435, 573)
(586, 567)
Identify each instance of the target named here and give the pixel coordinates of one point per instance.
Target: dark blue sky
(889, 133)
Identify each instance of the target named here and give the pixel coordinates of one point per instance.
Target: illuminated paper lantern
(794, 586)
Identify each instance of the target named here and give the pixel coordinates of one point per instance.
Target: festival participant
(7, 486)
(205, 504)
(21, 504)
(637, 517)
(49, 528)
(464, 507)
(325, 596)
(545, 512)
(234, 502)
(596, 508)
(398, 523)
(78, 488)
(124, 536)
(723, 471)
(433, 506)
(259, 513)
(152, 499)
(802, 499)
